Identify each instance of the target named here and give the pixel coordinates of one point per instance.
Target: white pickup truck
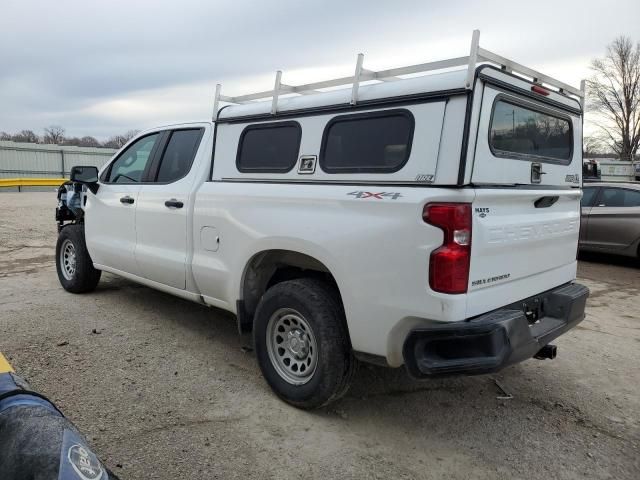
(430, 221)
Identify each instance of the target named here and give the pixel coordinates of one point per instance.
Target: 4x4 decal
(377, 195)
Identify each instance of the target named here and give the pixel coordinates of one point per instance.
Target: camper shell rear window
(520, 130)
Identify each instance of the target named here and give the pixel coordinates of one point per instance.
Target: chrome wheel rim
(292, 346)
(68, 259)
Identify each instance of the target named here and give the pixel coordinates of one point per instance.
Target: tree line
(56, 135)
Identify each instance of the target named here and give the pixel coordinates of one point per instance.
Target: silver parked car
(611, 218)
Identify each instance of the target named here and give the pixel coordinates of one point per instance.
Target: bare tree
(26, 136)
(54, 134)
(129, 135)
(88, 141)
(4, 136)
(118, 141)
(111, 143)
(592, 145)
(72, 141)
(614, 95)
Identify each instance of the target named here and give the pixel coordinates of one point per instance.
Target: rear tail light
(449, 263)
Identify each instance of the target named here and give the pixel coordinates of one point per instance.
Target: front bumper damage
(494, 340)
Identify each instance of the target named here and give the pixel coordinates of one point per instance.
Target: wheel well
(270, 267)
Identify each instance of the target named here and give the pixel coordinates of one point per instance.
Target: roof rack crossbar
(476, 56)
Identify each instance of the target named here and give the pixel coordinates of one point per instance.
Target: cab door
(589, 194)
(162, 214)
(613, 220)
(110, 213)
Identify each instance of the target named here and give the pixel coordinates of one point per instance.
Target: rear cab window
(522, 131)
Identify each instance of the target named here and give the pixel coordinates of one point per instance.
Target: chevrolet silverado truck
(424, 220)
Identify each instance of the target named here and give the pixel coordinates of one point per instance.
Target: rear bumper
(492, 341)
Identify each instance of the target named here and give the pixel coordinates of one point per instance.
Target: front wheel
(73, 263)
(302, 343)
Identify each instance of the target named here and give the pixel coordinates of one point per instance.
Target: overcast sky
(104, 67)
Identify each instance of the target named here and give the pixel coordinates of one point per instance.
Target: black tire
(83, 278)
(319, 305)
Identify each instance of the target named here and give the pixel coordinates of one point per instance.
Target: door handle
(545, 202)
(173, 203)
(127, 200)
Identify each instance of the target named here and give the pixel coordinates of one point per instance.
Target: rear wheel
(302, 343)
(73, 263)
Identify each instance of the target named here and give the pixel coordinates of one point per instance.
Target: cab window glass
(588, 195)
(619, 197)
(179, 154)
(130, 165)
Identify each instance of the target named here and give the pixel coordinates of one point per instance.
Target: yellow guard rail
(31, 182)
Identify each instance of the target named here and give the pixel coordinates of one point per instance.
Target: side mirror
(87, 176)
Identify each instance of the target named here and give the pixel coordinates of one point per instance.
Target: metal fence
(47, 161)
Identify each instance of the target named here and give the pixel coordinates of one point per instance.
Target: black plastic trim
(491, 341)
(465, 137)
(215, 139)
(266, 126)
(366, 116)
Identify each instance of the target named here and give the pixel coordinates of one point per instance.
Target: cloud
(100, 68)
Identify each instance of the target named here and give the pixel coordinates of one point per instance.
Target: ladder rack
(476, 56)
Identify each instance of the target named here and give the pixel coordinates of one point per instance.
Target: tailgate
(524, 242)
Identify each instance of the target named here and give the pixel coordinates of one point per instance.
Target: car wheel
(302, 343)
(73, 263)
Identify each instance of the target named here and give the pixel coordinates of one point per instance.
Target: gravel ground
(165, 389)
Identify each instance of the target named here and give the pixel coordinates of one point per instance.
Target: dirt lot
(165, 390)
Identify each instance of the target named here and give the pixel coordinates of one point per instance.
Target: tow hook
(548, 351)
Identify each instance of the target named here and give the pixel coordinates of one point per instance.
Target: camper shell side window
(372, 142)
(269, 147)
